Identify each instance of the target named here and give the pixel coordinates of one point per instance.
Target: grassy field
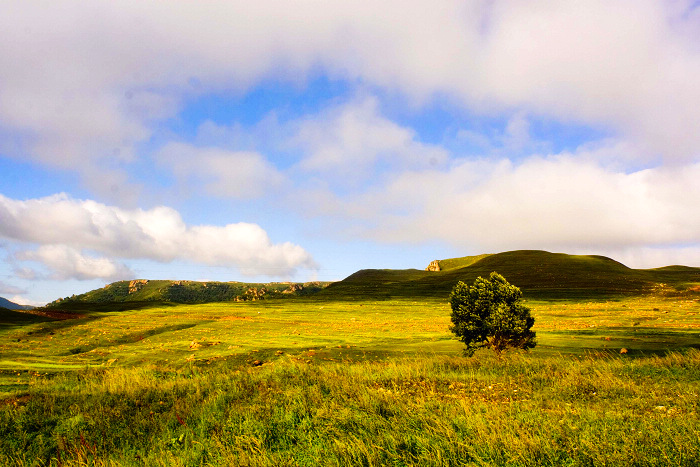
(322, 382)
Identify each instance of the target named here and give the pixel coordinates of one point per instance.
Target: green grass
(171, 334)
(458, 263)
(419, 410)
(312, 381)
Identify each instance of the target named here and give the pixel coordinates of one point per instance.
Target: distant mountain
(5, 303)
(146, 291)
(539, 274)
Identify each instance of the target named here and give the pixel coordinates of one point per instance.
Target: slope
(459, 263)
(143, 291)
(540, 274)
(17, 318)
(537, 273)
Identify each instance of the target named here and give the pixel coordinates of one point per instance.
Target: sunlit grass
(312, 382)
(430, 410)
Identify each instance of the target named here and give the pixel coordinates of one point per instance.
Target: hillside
(5, 303)
(458, 263)
(17, 317)
(537, 273)
(158, 291)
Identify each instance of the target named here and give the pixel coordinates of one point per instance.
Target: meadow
(311, 381)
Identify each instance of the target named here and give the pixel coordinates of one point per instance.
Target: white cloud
(513, 141)
(343, 145)
(81, 85)
(346, 143)
(564, 202)
(64, 226)
(10, 289)
(224, 173)
(68, 263)
(586, 201)
(627, 65)
(27, 273)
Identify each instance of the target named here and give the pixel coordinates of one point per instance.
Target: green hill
(146, 291)
(537, 273)
(458, 263)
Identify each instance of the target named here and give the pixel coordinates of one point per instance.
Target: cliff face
(136, 285)
(433, 266)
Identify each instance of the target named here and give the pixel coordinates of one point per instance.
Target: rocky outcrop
(293, 288)
(136, 285)
(433, 266)
(252, 294)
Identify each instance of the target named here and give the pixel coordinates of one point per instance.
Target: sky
(297, 141)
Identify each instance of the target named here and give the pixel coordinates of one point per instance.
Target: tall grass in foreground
(523, 409)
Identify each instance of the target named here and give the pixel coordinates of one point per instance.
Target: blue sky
(306, 140)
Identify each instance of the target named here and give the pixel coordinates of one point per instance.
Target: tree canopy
(489, 314)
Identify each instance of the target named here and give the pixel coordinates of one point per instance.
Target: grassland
(362, 372)
(314, 381)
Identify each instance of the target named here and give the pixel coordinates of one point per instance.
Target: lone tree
(489, 314)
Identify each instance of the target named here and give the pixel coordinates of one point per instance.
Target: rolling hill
(540, 274)
(537, 273)
(147, 291)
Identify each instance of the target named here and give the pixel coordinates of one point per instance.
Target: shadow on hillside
(75, 315)
(12, 318)
(106, 307)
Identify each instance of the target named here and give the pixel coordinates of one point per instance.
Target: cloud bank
(557, 202)
(346, 143)
(85, 83)
(7, 289)
(222, 173)
(64, 228)
(66, 263)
